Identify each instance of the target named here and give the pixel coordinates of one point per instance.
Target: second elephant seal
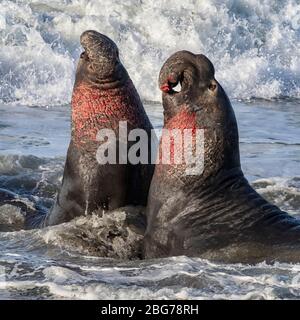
(214, 214)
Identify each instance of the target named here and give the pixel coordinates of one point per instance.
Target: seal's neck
(213, 146)
(94, 109)
(182, 120)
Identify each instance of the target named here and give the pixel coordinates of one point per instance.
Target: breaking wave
(254, 45)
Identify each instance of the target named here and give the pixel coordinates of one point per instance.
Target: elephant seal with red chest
(214, 214)
(103, 96)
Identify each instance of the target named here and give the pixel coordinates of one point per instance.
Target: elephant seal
(216, 214)
(103, 95)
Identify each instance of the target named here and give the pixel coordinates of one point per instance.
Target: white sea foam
(174, 278)
(52, 263)
(282, 191)
(253, 44)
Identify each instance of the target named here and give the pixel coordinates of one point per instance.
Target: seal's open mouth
(171, 87)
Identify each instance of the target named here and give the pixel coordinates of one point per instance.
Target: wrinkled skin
(215, 215)
(103, 95)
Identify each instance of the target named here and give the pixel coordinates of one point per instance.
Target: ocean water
(58, 263)
(254, 46)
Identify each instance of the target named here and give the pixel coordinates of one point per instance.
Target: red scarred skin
(94, 109)
(181, 121)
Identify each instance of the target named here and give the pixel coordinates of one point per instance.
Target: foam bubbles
(254, 45)
(283, 192)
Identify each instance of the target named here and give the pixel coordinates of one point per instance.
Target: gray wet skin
(216, 215)
(88, 186)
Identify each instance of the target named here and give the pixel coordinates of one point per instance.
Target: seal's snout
(189, 72)
(168, 87)
(176, 72)
(99, 62)
(98, 47)
(165, 88)
(92, 38)
(169, 80)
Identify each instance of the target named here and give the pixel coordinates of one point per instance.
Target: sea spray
(254, 45)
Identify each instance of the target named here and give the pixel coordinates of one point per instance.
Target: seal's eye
(82, 55)
(212, 86)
